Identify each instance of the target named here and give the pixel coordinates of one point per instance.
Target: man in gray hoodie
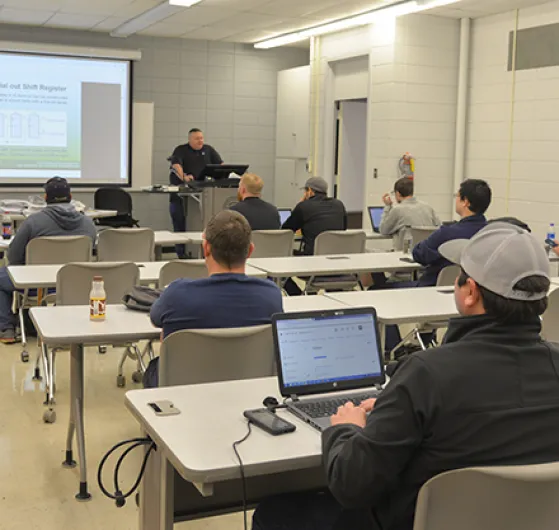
(58, 218)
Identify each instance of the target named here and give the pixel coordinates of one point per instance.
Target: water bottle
(97, 300)
(551, 231)
(6, 227)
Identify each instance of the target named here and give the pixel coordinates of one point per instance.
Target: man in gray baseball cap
(488, 396)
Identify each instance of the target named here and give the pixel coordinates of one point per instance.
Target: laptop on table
(375, 214)
(284, 214)
(323, 354)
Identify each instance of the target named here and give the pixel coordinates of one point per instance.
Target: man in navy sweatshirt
(228, 298)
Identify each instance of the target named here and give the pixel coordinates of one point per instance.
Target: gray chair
(421, 233)
(550, 319)
(126, 244)
(179, 268)
(73, 284)
(491, 498)
(272, 243)
(335, 243)
(210, 355)
(49, 250)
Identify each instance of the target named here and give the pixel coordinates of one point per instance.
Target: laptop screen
(375, 213)
(284, 214)
(330, 351)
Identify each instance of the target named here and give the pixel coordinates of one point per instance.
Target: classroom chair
(211, 355)
(272, 243)
(550, 319)
(51, 250)
(179, 268)
(73, 284)
(126, 244)
(336, 242)
(491, 498)
(114, 199)
(421, 233)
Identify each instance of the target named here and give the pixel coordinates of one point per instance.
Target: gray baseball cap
(317, 184)
(498, 257)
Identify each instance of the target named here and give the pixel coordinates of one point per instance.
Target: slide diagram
(33, 128)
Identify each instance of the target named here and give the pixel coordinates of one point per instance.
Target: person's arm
(176, 166)
(364, 463)
(18, 246)
(435, 218)
(390, 221)
(215, 157)
(295, 221)
(427, 252)
(161, 305)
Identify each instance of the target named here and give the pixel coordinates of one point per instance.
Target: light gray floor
(35, 491)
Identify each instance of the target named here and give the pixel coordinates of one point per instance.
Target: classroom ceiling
(227, 20)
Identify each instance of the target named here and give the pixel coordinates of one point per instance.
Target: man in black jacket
(488, 396)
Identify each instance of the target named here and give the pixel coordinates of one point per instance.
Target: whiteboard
(142, 143)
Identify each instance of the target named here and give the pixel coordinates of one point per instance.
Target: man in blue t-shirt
(228, 298)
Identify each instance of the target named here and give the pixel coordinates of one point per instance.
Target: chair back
(550, 319)
(73, 281)
(179, 268)
(113, 199)
(126, 244)
(421, 233)
(447, 276)
(340, 242)
(211, 355)
(272, 243)
(54, 250)
(491, 498)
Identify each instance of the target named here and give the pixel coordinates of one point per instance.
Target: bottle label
(97, 308)
(6, 230)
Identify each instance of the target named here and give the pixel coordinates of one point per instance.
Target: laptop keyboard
(325, 408)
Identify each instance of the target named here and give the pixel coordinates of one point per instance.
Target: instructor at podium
(187, 163)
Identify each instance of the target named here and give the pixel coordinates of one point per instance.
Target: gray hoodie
(54, 220)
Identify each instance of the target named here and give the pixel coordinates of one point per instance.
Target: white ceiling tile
(200, 15)
(162, 29)
(109, 24)
(135, 8)
(210, 33)
(44, 5)
(65, 20)
(24, 16)
(97, 7)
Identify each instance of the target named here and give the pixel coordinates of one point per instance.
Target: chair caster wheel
(102, 349)
(120, 381)
(24, 357)
(137, 377)
(49, 416)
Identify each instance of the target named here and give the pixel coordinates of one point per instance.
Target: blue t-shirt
(220, 301)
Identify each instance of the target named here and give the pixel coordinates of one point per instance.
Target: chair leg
(49, 416)
(420, 340)
(37, 370)
(24, 352)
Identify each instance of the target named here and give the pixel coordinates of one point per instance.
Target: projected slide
(64, 116)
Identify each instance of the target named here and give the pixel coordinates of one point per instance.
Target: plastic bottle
(6, 227)
(97, 300)
(551, 231)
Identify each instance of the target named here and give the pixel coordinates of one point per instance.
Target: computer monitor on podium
(222, 171)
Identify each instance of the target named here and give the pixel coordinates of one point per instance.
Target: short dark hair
(194, 130)
(513, 310)
(404, 186)
(229, 235)
(513, 221)
(478, 194)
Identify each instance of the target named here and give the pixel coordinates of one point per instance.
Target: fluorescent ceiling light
(152, 16)
(370, 17)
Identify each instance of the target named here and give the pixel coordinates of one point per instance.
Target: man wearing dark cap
(58, 218)
(489, 396)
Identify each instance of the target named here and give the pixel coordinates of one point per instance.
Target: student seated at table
(315, 213)
(261, 215)
(58, 218)
(488, 397)
(228, 298)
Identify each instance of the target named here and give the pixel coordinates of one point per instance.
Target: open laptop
(320, 352)
(375, 213)
(284, 214)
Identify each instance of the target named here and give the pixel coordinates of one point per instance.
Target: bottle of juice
(97, 299)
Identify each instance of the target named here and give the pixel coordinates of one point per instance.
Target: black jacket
(261, 215)
(314, 216)
(488, 396)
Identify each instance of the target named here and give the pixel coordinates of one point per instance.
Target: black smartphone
(550, 243)
(269, 421)
(407, 260)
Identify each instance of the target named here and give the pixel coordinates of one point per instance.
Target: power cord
(118, 496)
(242, 469)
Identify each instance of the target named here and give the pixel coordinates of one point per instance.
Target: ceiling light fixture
(370, 17)
(152, 16)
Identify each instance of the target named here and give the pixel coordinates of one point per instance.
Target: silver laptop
(375, 214)
(284, 214)
(322, 355)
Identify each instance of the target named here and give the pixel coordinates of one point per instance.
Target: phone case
(282, 426)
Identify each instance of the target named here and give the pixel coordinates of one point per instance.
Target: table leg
(157, 494)
(382, 333)
(158, 252)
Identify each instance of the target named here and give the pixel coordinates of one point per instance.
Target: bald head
(250, 186)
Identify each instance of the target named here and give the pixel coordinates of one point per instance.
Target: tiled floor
(35, 491)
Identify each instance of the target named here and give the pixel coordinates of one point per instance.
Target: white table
(278, 268)
(197, 443)
(166, 238)
(70, 326)
(44, 276)
(296, 304)
(94, 214)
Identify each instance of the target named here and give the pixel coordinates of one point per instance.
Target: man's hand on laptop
(350, 414)
(368, 405)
